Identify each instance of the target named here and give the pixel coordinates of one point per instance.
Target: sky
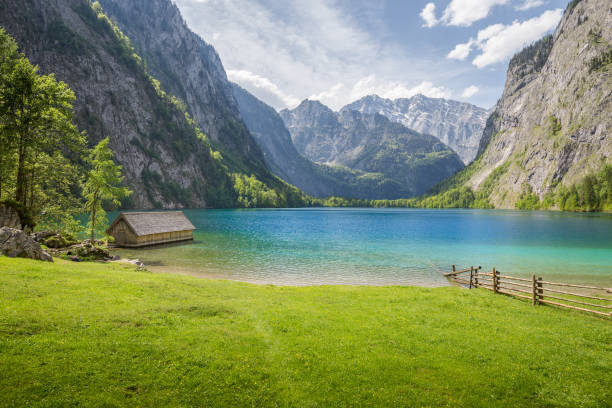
(338, 51)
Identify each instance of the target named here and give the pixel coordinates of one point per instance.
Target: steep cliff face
(459, 125)
(312, 126)
(553, 123)
(370, 143)
(319, 180)
(187, 68)
(165, 158)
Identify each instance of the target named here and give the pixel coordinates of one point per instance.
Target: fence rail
(592, 299)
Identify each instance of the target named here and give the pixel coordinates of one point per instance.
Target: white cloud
(465, 12)
(529, 4)
(498, 42)
(489, 32)
(340, 94)
(461, 51)
(470, 91)
(308, 48)
(428, 14)
(511, 39)
(246, 78)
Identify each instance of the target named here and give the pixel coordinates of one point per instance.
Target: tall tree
(103, 185)
(8, 58)
(36, 117)
(36, 134)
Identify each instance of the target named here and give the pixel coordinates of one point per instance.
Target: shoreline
(290, 283)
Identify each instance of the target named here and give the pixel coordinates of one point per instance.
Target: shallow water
(386, 246)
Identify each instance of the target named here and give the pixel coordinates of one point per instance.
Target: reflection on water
(385, 246)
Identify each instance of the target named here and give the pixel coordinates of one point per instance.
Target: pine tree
(103, 185)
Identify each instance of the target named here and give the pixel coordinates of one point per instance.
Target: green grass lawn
(91, 334)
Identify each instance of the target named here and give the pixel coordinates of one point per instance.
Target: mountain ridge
(370, 143)
(458, 124)
(285, 161)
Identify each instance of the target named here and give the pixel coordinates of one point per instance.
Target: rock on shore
(16, 243)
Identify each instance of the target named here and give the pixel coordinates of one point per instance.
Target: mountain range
(458, 124)
(316, 179)
(370, 143)
(184, 134)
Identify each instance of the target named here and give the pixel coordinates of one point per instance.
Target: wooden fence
(590, 299)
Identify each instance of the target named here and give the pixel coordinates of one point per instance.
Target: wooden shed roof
(147, 223)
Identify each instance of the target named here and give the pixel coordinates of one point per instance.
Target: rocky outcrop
(457, 124)
(9, 217)
(370, 143)
(553, 123)
(16, 243)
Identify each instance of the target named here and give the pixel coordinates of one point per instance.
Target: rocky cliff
(167, 161)
(553, 123)
(458, 124)
(187, 68)
(370, 143)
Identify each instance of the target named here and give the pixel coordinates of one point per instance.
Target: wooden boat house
(138, 229)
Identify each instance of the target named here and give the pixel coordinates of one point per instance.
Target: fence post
(534, 295)
(476, 277)
(540, 289)
(494, 273)
(453, 268)
(471, 275)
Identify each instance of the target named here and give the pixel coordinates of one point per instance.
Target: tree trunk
(20, 194)
(93, 217)
(32, 184)
(2, 169)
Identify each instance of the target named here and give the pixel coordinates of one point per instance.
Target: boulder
(9, 217)
(59, 241)
(87, 251)
(16, 243)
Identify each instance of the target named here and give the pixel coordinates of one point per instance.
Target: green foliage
(535, 54)
(170, 190)
(93, 334)
(602, 61)
(554, 125)
(593, 193)
(528, 200)
(36, 134)
(252, 193)
(103, 185)
(121, 47)
(66, 40)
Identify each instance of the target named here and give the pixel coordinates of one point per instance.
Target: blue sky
(337, 51)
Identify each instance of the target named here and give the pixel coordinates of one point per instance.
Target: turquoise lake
(386, 246)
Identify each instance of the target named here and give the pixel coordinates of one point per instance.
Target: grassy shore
(94, 334)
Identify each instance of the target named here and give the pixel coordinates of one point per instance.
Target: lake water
(386, 246)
